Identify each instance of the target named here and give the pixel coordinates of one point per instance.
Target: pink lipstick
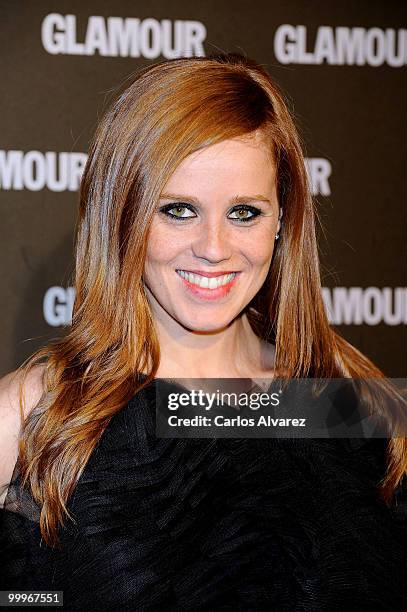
(207, 293)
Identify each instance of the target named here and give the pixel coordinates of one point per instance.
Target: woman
(196, 257)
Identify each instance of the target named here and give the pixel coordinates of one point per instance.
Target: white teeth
(204, 281)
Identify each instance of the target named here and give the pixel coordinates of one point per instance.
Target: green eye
(244, 212)
(244, 216)
(179, 208)
(244, 208)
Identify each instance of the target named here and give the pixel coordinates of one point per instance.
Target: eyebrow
(238, 199)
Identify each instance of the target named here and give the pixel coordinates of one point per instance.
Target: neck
(233, 352)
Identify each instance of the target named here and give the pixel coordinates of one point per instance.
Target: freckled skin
(213, 239)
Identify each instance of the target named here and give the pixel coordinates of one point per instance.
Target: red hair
(169, 110)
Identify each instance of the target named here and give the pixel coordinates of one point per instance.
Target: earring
(279, 218)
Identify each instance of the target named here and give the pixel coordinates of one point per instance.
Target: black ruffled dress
(216, 524)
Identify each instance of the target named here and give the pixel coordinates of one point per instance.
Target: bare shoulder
(10, 420)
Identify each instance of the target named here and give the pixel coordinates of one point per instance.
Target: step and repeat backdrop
(342, 67)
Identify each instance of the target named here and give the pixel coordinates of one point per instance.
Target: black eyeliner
(255, 212)
(167, 207)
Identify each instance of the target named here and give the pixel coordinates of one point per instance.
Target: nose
(213, 242)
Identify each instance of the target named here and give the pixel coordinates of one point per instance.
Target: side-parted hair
(170, 110)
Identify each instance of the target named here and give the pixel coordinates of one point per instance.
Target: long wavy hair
(169, 110)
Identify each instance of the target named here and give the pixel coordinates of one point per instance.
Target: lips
(212, 287)
(206, 282)
(209, 274)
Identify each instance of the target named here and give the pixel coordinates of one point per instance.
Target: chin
(205, 325)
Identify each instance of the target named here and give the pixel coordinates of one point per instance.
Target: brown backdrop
(343, 69)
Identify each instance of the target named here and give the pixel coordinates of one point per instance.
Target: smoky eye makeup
(182, 211)
(176, 210)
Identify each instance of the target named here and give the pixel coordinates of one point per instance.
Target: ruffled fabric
(216, 524)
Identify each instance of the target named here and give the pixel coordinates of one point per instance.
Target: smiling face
(213, 235)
